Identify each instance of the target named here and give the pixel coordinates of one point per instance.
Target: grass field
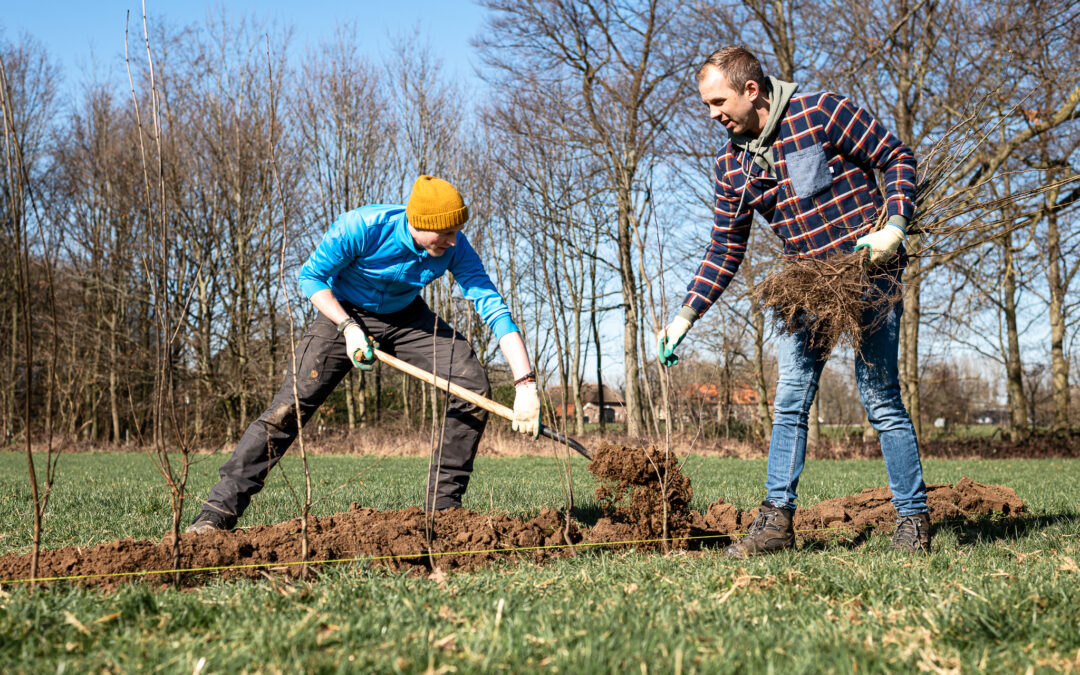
(998, 596)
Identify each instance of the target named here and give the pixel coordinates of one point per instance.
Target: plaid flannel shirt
(823, 197)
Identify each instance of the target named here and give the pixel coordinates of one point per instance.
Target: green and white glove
(884, 243)
(669, 338)
(358, 345)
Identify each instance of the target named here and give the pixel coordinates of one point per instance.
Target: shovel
(476, 399)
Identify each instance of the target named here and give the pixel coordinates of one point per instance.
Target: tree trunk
(869, 433)
(760, 385)
(909, 338)
(114, 396)
(378, 393)
(576, 374)
(599, 355)
(350, 400)
(1014, 369)
(813, 430)
(360, 389)
(1059, 366)
(13, 360)
(632, 397)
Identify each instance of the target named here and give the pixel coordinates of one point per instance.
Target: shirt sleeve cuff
(689, 313)
(503, 325)
(898, 221)
(310, 287)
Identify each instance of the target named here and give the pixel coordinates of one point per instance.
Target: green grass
(998, 596)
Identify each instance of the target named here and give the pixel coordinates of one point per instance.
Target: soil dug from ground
(637, 488)
(869, 510)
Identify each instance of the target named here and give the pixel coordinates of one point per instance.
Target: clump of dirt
(871, 509)
(720, 523)
(635, 485)
(639, 489)
(461, 539)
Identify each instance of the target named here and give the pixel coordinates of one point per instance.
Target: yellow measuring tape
(221, 568)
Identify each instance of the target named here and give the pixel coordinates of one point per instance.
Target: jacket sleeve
(477, 287)
(342, 243)
(730, 232)
(859, 135)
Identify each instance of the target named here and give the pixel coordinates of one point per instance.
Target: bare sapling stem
(155, 263)
(14, 174)
(438, 434)
(20, 188)
(663, 476)
(305, 546)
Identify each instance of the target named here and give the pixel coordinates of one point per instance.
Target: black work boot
(912, 533)
(209, 521)
(770, 532)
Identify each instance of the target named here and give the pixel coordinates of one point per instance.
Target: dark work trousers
(321, 363)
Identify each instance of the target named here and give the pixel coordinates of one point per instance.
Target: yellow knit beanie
(435, 205)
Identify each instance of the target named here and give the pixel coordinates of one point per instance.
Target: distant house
(711, 398)
(614, 409)
(994, 416)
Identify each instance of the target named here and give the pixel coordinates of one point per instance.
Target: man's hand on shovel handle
(358, 344)
(526, 408)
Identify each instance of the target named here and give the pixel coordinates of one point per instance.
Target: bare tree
(343, 115)
(26, 101)
(556, 182)
(612, 75)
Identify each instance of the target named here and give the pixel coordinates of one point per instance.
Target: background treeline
(143, 227)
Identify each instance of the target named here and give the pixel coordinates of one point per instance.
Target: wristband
(689, 313)
(345, 324)
(526, 378)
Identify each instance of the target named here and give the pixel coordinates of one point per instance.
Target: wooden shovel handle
(455, 389)
(474, 398)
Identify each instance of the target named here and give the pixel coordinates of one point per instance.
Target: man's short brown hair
(737, 65)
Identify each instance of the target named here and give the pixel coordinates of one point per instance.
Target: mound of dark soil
(461, 539)
(638, 489)
(871, 509)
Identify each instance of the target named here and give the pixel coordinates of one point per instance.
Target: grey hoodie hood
(779, 93)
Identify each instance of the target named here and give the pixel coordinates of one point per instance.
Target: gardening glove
(883, 243)
(527, 410)
(358, 345)
(669, 338)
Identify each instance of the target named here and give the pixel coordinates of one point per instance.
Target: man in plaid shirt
(806, 163)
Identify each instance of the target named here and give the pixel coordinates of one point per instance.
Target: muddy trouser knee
(321, 363)
(416, 335)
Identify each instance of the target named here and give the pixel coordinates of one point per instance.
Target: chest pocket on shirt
(809, 171)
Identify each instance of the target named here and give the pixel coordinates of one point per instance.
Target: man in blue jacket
(365, 279)
(806, 163)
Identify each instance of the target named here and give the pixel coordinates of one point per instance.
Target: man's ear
(751, 90)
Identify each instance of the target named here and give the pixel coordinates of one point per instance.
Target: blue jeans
(879, 386)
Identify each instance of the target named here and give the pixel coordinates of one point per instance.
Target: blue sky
(87, 37)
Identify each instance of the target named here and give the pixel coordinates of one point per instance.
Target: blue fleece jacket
(369, 259)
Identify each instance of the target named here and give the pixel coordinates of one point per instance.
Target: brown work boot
(912, 533)
(770, 532)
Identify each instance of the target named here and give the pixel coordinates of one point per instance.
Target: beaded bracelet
(345, 324)
(526, 378)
